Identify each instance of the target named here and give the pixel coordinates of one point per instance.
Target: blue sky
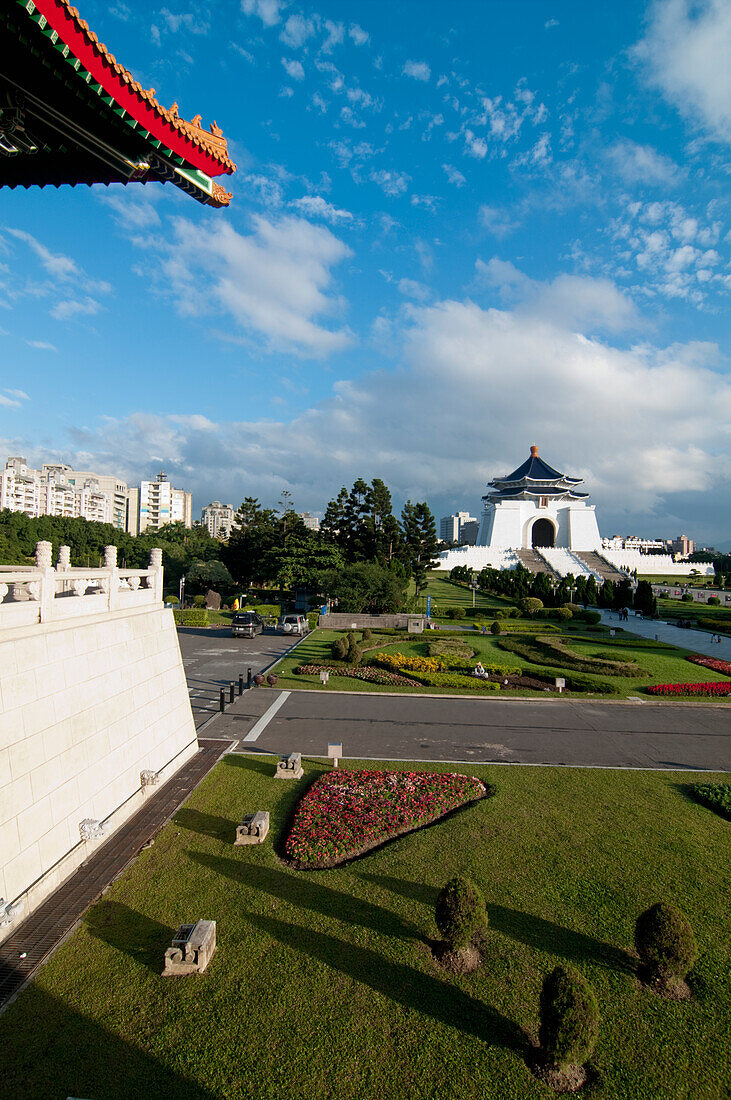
(456, 230)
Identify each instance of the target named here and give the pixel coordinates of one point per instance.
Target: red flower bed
(367, 672)
(346, 813)
(714, 663)
(722, 688)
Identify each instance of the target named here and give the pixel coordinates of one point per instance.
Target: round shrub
(687, 597)
(495, 628)
(367, 636)
(339, 649)
(665, 942)
(530, 605)
(199, 601)
(460, 912)
(172, 599)
(569, 1018)
(591, 617)
(574, 608)
(499, 614)
(355, 654)
(714, 601)
(563, 613)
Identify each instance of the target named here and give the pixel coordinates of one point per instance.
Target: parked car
(294, 624)
(246, 624)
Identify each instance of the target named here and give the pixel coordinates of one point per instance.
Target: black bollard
(241, 683)
(222, 700)
(231, 689)
(248, 678)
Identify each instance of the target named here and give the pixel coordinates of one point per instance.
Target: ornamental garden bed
(364, 672)
(719, 688)
(716, 664)
(345, 814)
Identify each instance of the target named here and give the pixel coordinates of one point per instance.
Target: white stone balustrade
(42, 594)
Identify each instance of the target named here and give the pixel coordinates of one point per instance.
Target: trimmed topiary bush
(495, 628)
(455, 613)
(367, 636)
(714, 601)
(355, 654)
(340, 649)
(562, 613)
(460, 912)
(530, 605)
(665, 942)
(687, 597)
(569, 1018)
(592, 617)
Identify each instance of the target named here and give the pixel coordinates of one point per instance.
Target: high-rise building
(311, 522)
(58, 490)
(219, 519)
(157, 503)
(451, 528)
(682, 546)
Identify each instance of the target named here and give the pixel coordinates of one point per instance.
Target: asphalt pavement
(569, 732)
(212, 657)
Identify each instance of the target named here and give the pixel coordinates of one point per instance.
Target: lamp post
(182, 597)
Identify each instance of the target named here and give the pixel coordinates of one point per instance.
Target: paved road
(212, 657)
(399, 727)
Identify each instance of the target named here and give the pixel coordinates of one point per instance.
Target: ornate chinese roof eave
(530, 494)
(96, 123)
(204, 149)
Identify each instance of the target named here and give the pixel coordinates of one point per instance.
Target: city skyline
(450, 237)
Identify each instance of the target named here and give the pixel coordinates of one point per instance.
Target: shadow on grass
(241, 759)
(220, 828)
(534, 932)
(140, 937)
(544, 935)
(412, 891)
(690, 793)
(439, 1000)
(304, 893)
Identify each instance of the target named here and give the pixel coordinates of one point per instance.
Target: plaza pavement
(696, 640)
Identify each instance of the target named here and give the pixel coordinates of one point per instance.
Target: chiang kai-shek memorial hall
(70, 113)
(538, 507)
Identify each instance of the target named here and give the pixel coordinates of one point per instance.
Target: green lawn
(661, 663)
(446, 593)
(323, 985)
(720, 616)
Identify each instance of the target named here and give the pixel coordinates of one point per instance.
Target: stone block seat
(192, 949)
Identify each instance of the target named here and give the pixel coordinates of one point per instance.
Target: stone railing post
(156, 564)
(110, 563)
(64, 559)
(44, 562)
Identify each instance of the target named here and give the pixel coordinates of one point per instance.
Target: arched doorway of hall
(543, 533)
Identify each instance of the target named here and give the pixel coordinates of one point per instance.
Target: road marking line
(266, 717)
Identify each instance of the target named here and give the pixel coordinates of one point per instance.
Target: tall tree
(420, 541)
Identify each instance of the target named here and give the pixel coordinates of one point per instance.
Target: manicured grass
(323, 985)
(661, 663)
(446, 593)
(720, 616)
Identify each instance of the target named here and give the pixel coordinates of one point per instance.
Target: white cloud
(297, 30)
(314, 206)
(264, 189)
(19, 395)
(274, 283)
(496, 221)
(419, 70)
(55, 263)
(429, 202)
(267, 10)
(136, 210)
(359, 36)
(41, 345)
(391, 183)
(410, 288)
(473, 389)
(474, 145)
(12, 399)
(642, 164)
(294, 69)
(454, 175)
(686, 54)
(550, 23)
(335, 35)
(68, 308)
(574, 302)
(176, 21)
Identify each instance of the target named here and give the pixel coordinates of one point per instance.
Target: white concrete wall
(86, 704)
(509, 524)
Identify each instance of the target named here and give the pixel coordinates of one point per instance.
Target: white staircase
(563, 562)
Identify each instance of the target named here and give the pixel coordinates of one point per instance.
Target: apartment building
(156, 503)
(218, 519)
(460, 527)
(58, 490)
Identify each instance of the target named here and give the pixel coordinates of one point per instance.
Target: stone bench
(192, 948)
(289, 766)
(253, 828)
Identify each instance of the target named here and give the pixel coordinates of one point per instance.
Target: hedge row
(549, 651)
(195, 616)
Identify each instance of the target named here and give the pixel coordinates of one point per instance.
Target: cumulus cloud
(267, 10)
(274, 283)
(419, 70)
(297, 30)
(359, 36)
(496, 221)
(473, 389)
(577, 302)
(642, 164)
(294, 69)
(686, 54)
(391, 183)
(314, 206)
(69, 308)
(454, 175)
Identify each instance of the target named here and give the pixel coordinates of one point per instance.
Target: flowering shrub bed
(366, 672)
(714, 663)
(719, 688)
(397, 662)
(454, 679)
(346, 813)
